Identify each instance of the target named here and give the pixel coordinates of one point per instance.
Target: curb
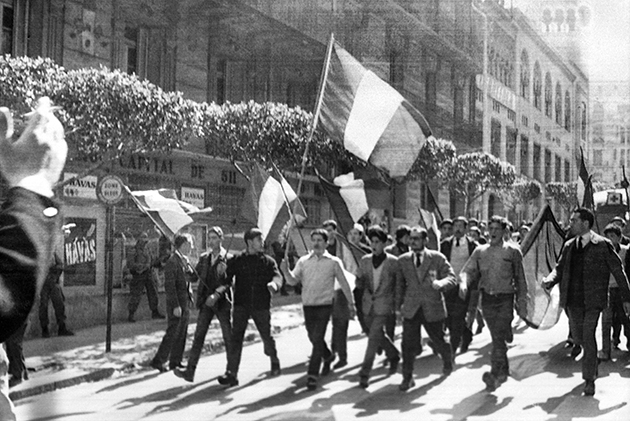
(60, 384)
(210, 348)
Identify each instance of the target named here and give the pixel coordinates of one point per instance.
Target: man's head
(319, 240)
(355, 235)
(619, 221)
(215, 238)
(496, 229)
(183, 243)
(378, 239)
(143, 239)
(446, 228)
(330, 226)
(254, 241)
(473, 222)
(474, 233)
(418, 238)
(581, 221)
(460, 225)
(402, 234)
(613, 233)
(523, 230)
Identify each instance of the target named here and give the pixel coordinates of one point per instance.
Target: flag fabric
(429, 221)
(368, 117)
(584, 185)
(541, 249)
(164, 209)
(269, 202)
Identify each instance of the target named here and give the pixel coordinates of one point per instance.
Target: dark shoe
(393, 365)
(130, 319)
(492, 383)
(45, 332)
(406, 384)
(340, 364)
(447, 369)
(63, 331)
(364, 382)
(158, 366)
(188, 374)
(311, 383)
(589, 388)
(228, 379)
(275, 369)
(326, 365)
(577, 349)
(157, 315)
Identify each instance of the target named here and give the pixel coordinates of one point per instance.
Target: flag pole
(625, 185)
(288, 204)
(316, 112)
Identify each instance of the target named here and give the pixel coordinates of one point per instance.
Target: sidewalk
(59, 362)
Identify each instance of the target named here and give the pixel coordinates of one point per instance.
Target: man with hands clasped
(583, 271)
(425, 274)
(255, 277)
(214, 297)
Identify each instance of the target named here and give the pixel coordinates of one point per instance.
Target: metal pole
(110, 218)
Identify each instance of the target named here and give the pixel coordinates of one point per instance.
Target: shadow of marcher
(485, 404)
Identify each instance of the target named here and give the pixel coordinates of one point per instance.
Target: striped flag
(541, 249)
(370, 118)
(269, 202)
(165, 210)
(584, 185)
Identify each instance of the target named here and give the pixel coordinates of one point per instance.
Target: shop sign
(194, 196)
(110, 189)
(82, 188)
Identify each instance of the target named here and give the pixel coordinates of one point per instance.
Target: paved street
(545, 385)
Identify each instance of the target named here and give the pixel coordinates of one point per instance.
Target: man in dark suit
(583, 271)
(425, 274)
(29, 220)
(457, 250)
(377, 278)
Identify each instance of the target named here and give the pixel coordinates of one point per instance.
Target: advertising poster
(80, 252)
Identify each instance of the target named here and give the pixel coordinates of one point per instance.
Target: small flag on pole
(370, 118)
(269, 202)
(584, 185)
(164, 209)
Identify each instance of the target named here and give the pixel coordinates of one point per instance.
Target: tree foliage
(473, 174)
(522, 192)
(564, 194)
(433, 161)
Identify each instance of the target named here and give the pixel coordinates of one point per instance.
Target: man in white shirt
(317, 272)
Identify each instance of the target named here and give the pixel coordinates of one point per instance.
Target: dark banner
(80, 252)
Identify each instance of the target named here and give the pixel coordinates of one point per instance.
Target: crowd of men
(478, 270)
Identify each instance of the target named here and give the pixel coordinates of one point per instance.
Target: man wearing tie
(425, 274)
(583, 271)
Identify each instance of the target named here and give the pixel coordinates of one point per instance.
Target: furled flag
(269, 202)
(541, 249)
(370, 118)
(167, 212)
(430, 219)
(584, 185)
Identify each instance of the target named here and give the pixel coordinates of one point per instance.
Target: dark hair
(475, 229)
(612, 228)
(586, 215)
(181, 239)
(330, 222)
(252, 233)
(498, 220)
(620, 220)
(444, 222)
(422, 231)
(473, 221)
(401, 231)
(320, 231)
(217, 230)
(461, 219)
(378, 232)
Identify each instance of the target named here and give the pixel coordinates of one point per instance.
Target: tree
(106, 113)
(433, 160)
(473, 174)
(522, 192)
(564, 194)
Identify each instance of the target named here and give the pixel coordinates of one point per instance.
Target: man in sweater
(317, 272)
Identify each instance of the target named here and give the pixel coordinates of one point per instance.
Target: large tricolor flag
(370, 118)
(167, 212)
(541, 249)
(584, 184)
(270, 201)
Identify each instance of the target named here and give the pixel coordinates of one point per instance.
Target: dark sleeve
(28, 226)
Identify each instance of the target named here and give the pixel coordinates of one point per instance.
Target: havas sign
(82, 188)
(194, 196)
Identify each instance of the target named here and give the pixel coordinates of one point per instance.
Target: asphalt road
(545, 384)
